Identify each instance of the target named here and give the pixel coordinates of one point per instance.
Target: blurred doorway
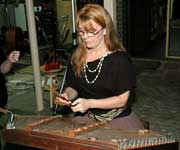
(146, 28)
(173, 30)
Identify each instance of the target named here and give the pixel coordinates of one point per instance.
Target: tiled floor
(158, 97)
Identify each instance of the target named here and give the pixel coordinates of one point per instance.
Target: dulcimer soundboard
(61, 133)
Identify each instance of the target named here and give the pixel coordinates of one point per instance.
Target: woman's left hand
(80, 105)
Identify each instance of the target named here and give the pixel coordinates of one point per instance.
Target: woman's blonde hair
(99, 15)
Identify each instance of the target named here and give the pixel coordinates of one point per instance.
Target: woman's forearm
(111, 102)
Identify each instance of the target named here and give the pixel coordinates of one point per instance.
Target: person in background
(5, 66)
(100, 77)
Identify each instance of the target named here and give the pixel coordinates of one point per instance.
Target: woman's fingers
(80, 105)
(62, 101)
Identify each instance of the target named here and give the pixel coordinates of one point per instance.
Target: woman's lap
(130, 122)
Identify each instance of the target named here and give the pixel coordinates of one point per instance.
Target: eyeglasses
(89, 34)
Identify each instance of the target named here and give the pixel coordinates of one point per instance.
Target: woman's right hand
(62, 100)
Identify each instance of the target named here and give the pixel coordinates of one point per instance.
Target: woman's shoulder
(120, 56)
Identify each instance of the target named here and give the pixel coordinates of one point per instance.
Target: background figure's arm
(8, 63)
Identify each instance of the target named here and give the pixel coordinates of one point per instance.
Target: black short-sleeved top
(116, 77)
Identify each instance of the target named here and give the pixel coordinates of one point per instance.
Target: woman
(5, 67)
(100, 77)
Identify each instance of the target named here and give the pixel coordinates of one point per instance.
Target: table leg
(51, 94)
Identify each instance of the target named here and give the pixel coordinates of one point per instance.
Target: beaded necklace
(97, 69)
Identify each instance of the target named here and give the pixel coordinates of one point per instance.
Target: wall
(7, 17)
(20, 17)
(64, 10)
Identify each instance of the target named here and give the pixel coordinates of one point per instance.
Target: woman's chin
(90, 46)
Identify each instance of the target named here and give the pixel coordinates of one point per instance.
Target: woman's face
(92, 40)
